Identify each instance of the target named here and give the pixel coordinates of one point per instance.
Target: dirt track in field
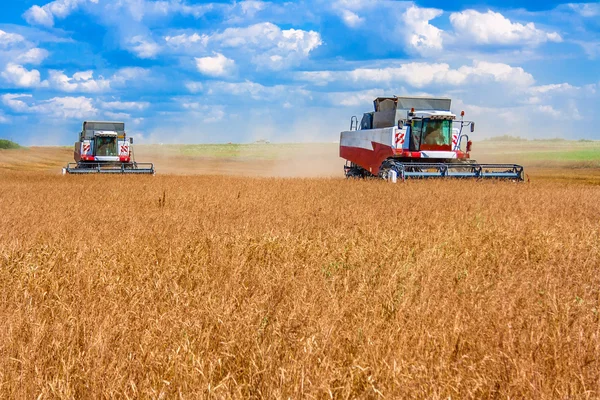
(279, 160)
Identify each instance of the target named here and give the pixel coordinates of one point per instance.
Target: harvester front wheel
(386, 167)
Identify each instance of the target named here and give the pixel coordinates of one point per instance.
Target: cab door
(415, 134)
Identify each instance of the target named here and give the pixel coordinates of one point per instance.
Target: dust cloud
(277, 160)
(265, 160)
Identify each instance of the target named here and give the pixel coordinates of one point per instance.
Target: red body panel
(368, 159)
(435, 147)
(407, 154)
(371, 160)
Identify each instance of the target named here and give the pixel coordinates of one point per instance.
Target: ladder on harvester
(354, 123)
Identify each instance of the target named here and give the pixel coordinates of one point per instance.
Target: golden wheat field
(205, 286)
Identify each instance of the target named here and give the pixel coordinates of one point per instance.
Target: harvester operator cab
(104, 136)
(106, 144)
(102, 141)
(431, 131)
(427, 122)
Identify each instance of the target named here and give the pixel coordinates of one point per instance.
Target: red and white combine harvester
(415, 137)
(103, 148)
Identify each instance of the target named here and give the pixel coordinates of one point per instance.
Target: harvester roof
(104, 125)
(434, 114)
(104, 122)
(416, 102)
(102, 128)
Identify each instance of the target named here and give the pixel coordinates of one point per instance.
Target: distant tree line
(8, 144)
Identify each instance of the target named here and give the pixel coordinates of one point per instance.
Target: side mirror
(400, 124)
(472, 127)
(131, 140)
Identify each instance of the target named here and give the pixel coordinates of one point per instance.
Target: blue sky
(184, 71)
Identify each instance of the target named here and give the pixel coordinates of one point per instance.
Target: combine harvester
(103, 148)
(415, 137)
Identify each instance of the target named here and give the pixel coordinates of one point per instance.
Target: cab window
(436, 134)
(106, 146)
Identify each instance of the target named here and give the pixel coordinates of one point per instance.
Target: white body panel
(364, 139)
(435, 114)
(437, 154)
(107, 158)
(123, 147)
(402, 140)
(86, 148)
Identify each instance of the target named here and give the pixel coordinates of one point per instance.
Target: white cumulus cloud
(421, 74)
(555, 88)
(135, 10)
(264, 44)
(499, 72)
(419, 34)
(46, 14)
(15, 52)
(587, 10)
(217, 65)
(7, 39)
(32, 56)
(80, 82)
(15, 102)
(21, 76)
(57, 107)
(268, 36)
(128, 74)
(354, 99)
(37, 15)
(143, 47)
(67, 107)
(125, 105)
(549, 110)
(494, 28)
(350, 18)
(187, 40)
(269, 45)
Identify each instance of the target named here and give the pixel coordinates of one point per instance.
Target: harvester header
(415, 137)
